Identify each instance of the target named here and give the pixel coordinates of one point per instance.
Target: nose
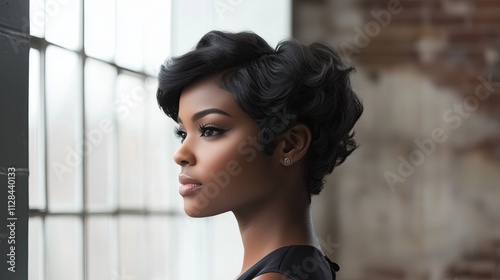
(184, 156)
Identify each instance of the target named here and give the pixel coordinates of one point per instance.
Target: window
(100, 205)
(103, 187)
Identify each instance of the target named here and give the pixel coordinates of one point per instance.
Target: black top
(297, 262)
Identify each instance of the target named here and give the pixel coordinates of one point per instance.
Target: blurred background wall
(419, 199)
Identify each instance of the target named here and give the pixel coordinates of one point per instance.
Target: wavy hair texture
(277, 88)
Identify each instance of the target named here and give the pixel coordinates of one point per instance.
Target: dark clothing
(297, 262)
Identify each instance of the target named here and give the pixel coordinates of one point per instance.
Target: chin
(193, 213)
(199, 210)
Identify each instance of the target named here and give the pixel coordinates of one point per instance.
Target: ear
(294, 143)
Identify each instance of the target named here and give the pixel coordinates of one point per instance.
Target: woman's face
(223, 166)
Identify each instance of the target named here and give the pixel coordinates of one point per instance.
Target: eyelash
(202, 129)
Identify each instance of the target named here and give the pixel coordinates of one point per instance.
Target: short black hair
(308, 84)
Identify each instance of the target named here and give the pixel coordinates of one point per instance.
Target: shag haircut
(277, 88)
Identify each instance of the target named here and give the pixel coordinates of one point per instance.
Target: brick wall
(415, 61)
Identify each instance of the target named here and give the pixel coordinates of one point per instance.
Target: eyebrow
(205, 112)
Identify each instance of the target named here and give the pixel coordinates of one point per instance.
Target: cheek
(232, 180)
(216, 156)
(227, 166)
(230, 168)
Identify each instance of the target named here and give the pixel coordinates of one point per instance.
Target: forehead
(206, 94)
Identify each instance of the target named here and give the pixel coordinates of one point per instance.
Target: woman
(260, 128)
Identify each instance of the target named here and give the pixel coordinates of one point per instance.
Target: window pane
(131, 140)
(158, 244)
(193, 249)
(64, 243)
(36, 146)
(35, 249)
(156, 34)
(101, 236)
(129, 36)
(63, 23)
(163, 172)
(37, 18)
(225, 240)
(131, 241)
(100, 29)
(64, 133)
(100, 131)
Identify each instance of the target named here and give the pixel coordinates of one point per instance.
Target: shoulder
(291, 262)
(272, 276)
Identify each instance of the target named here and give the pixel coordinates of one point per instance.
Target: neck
(268, 227)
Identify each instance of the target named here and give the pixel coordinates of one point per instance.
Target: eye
(210, 131)
(180, 134)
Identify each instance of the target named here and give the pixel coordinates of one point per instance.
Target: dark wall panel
(14, 76)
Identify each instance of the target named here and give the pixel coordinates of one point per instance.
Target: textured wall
(419, 199)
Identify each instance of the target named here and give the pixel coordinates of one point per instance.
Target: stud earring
(287, 161)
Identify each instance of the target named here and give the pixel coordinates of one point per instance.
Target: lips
(185, 179)
(188, 185)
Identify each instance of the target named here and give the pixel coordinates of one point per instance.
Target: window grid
(41, 44)
(184, 247)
